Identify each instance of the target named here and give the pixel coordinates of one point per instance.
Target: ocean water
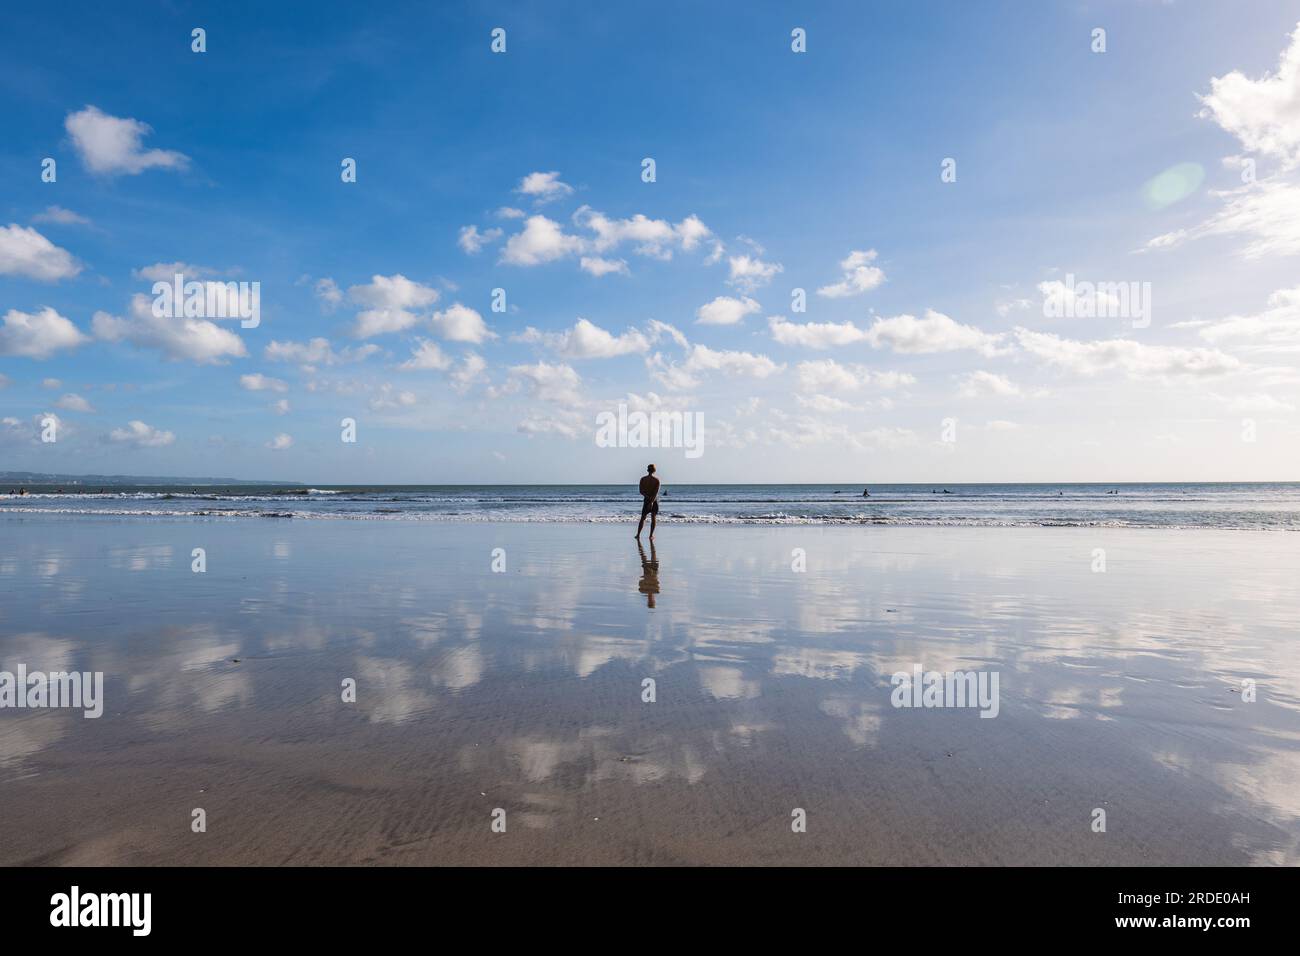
(1231, 506)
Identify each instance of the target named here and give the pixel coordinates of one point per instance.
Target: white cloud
(1132, 358)
(557, 384)
(510, 212)
(827, 404)
(935, 332)
(544, 187)
(586, 340)
(60, 216)
(1278, 326)
(859, 275)
(597, 266)
(258, 382)
(388, 398)
(1266, 213)
(748, 273)
(328, 291)
(140, 435)
(725, 310)
(389, 301)
(981, 383)
(701, 359)
(1263, 114)
(470, 370)
(317, 351)
(1084, 300)
(167, 272)
(74, 403)
(111, 145)
(814, 335)
(828, 375)
(426, 356)
(472, 241)
(281, 407)
(656, 238)
(38, 335)
(542, 240)
(179, 339)
(280, 442)
(460, 323)
(51, 383)
(25, 252)
(1254, 402)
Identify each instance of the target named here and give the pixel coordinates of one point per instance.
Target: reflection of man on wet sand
(649, 501)
(649, 583)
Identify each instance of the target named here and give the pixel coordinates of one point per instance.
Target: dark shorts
(650, 508)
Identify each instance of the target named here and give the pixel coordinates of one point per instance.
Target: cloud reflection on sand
(772, 685)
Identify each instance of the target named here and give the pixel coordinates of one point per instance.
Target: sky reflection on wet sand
(522, 690)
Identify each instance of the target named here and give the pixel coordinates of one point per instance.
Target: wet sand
(522, 691)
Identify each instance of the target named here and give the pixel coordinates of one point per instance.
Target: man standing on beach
(649, 501)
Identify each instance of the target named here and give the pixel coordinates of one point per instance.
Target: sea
(1269, 506)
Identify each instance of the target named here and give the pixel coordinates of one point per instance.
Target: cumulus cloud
(74, 403)
(257, 382)
(317, 351)
(586, 340)
(328, 291)
(935, 332)
(426, 356)
(61, 217)
(1263, 114)
(749, 273)
(460, 323)
(726, 310)
(38, 335)
(597, 266)
(389, 302)
(656, 238)
(859, 275)
(139, 435)
(179, 339)
(828, 375)
(472, 241)
(469, 372)
(542, 240)
(111, 145)
(544, 187)
(814, 335)
(1132, 358)
(700, 359)
(25, 252)
(167, 272)
(280, 442)
(980, 383)
(546, 382)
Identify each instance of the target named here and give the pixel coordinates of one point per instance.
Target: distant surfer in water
(866, 492)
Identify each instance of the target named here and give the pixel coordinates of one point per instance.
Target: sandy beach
(522, 690)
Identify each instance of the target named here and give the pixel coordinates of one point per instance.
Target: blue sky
(774, 170)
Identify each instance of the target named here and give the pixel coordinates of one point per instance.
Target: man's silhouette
(649, 583)
(649, 501)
